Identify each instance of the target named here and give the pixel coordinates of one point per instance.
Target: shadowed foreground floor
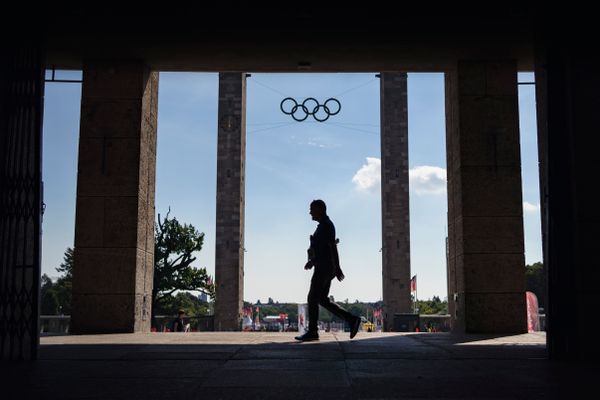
(223, 365)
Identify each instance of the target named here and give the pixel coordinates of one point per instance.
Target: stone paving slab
(258, 354)
(112, 389)
(276, 393)
(236, 365)
(179, 355)
(258, 378)
(66, 369)
(287, 364)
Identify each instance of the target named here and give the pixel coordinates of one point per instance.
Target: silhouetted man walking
(323, 256)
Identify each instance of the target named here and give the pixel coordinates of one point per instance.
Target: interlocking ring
(306, 109)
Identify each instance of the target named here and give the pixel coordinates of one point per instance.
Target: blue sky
(288, 165)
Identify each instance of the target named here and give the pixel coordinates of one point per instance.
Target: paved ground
(217, 365)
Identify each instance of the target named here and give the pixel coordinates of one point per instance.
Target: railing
(202, 323)
(59, 324)
(54, 324)
(434, 322)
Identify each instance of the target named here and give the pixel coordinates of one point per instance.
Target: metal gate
(21, 108)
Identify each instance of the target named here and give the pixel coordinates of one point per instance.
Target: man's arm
(336, 261)
(311, 255)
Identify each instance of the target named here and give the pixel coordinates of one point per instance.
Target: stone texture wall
(394, 196)
(567, 87)
(231, 158)
(114, 227)
(486, 274)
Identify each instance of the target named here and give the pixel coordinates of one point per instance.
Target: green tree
(56, 297)
(48, 297)
(432, 306)
(536, 281)
(174, 246)
(66, 267)
(182, 301)
(64, 284)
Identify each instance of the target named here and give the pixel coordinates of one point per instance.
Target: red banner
(532, 312)
(413, 284)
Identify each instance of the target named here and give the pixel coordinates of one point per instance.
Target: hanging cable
(272, 127)
(356, 87)
(268, 87)
(338, 124)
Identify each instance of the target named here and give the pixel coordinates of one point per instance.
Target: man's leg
(352, 320)
(317, 286)
(333, 307)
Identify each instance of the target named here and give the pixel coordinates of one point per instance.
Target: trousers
(319, 295)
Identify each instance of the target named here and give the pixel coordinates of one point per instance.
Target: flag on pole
(413, 284)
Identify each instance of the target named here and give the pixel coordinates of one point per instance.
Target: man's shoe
(307, 337)
(354, 327)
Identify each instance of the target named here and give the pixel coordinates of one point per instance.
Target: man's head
(318, 210)
(180, 313)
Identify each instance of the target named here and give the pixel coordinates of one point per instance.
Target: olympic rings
(306, 109)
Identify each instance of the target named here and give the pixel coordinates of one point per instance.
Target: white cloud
(426, 179)
(528, 207)
(368, 177)
(317, 142)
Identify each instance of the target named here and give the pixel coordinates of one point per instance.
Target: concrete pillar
(568, 84)
(394, 196)
(231, 158)
(486, 262)
(114, 224)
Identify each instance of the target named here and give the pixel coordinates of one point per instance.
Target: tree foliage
(174, 246)
(186, 301)
(55, 297)
(536, 281)
(66, 267)
(432, 306)
(48, 297)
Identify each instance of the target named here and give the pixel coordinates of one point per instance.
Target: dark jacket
(178, 325)
(320, 251)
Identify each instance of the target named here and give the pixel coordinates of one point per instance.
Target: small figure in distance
(179, 324)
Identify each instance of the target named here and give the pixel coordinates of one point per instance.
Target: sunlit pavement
(235, 365)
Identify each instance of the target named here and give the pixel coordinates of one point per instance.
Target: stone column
(486, 263)
(231, 158)
(394, 196)
(114, 224)
(568, 84)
